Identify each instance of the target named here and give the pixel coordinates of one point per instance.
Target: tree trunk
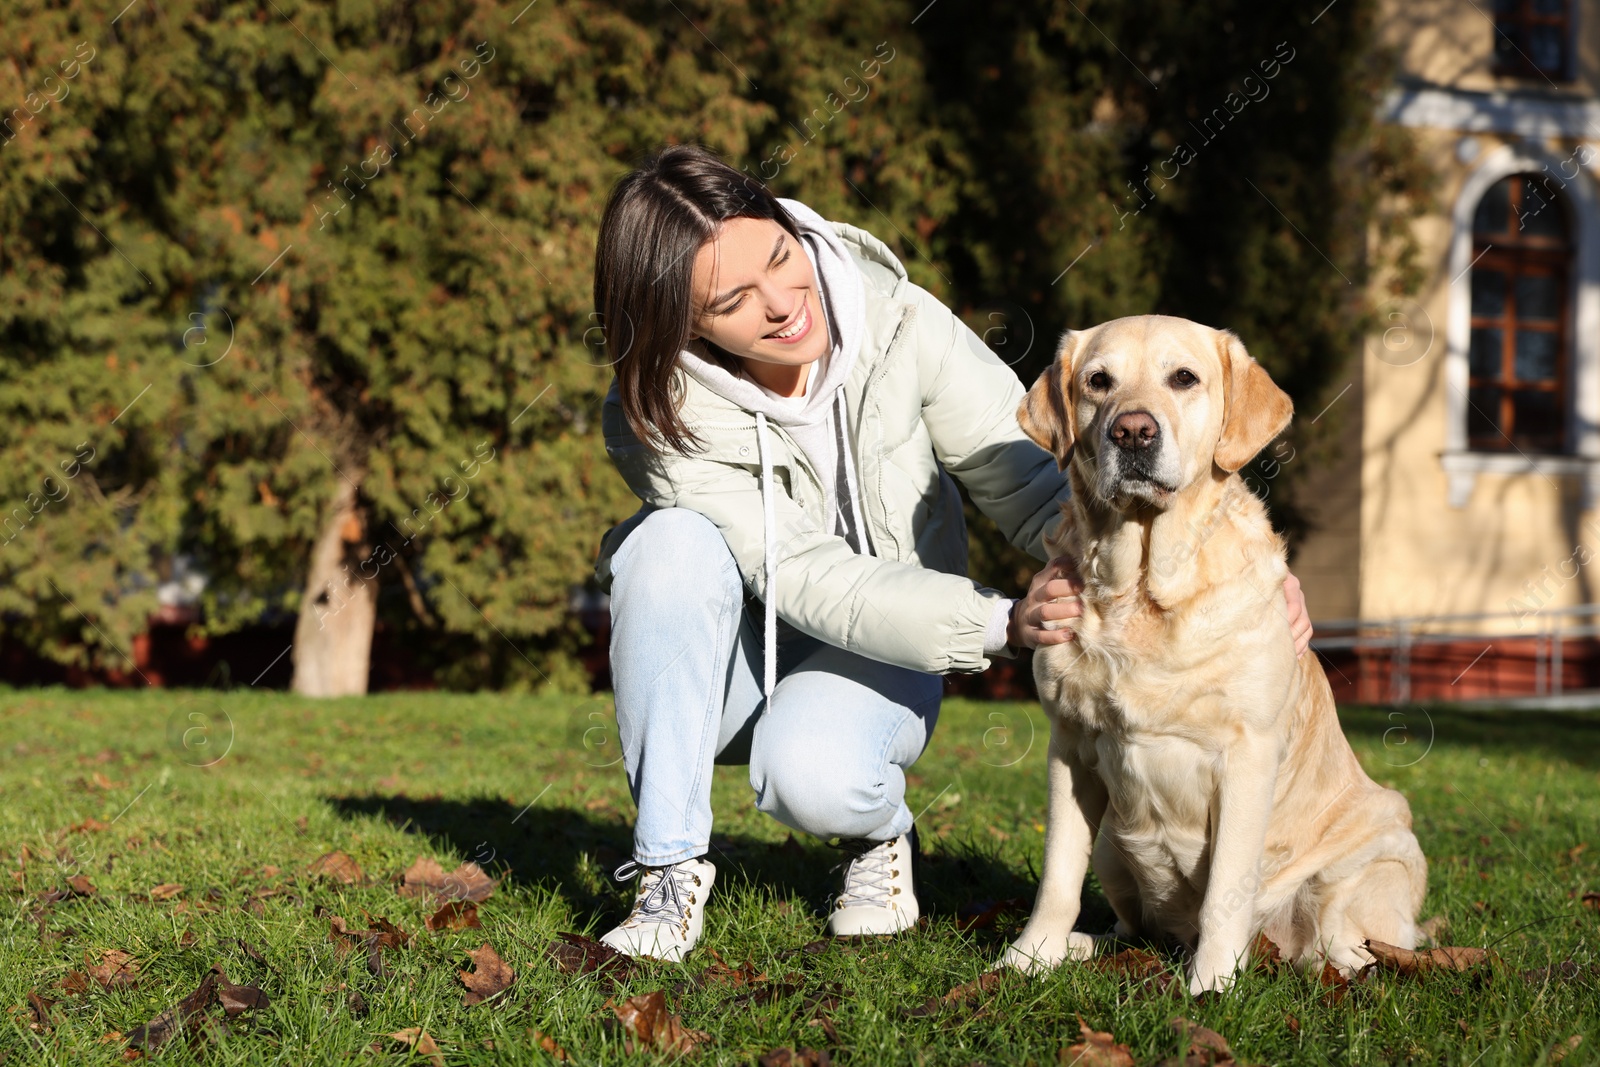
(333, 637)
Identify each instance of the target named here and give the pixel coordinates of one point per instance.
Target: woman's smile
(796, 330)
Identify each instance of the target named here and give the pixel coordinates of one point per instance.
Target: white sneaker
(668, 911)
(879, 896)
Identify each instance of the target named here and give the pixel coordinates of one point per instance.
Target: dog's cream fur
(1193, 757)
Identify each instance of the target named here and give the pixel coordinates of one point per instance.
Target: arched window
(1519, 367)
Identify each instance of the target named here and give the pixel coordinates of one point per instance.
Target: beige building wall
(1424, 553)
(1451, 42)
(1443, 530)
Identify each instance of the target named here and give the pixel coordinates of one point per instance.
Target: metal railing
(1547, 630)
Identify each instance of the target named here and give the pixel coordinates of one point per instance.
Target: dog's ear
(1255, 410)
(1045, 414)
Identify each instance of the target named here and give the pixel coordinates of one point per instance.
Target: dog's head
(1150, 403)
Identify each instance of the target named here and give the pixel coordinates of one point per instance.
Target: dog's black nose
(1134, 430)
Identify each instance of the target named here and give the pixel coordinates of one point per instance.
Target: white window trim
(1507, 111)
(1461, 465)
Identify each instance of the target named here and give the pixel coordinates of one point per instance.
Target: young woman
(791, 409)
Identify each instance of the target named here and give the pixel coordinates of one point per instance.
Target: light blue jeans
(828, 758)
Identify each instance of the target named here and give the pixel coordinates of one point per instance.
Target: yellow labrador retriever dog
(1193, 757)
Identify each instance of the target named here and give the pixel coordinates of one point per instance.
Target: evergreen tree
(303, 289)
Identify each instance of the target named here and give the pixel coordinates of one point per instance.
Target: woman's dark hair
(655, 221)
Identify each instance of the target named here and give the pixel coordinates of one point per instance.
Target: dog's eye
(1183, 378)
(1100, 380)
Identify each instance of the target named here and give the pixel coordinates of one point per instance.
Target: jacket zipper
(907, 313)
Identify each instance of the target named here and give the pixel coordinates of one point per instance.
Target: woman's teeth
(799, 324)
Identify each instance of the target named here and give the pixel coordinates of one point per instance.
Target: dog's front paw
(1036, 954)
(1208, 980)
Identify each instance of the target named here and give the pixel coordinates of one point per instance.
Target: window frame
(1519, 64)
(1515, 256)
(1461, 466)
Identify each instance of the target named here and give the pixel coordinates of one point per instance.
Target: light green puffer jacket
(926, 399)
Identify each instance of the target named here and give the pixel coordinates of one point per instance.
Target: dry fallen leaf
(336, 866)
(1097, 1049)
(576, 954)
(548, 1043)
(491, 976)
(806, 1057)
(1130, 962)
(455, 915)
(1140, 968)
(386, 935)
(1203, 1046)
(418, 1040)
(189, 1014)
(982, 986)
(249, 950)
(165, 891)
(1266, 955)
(1591, 901)
(236, 999)
(1412, 962)
(185, 1015)
(116, 969)
(466, 882)
(88, 826)
(1336, 983)
(719, 973)
(81, 886)
(1563, 1049)
(39, 1011)
(646, 1018)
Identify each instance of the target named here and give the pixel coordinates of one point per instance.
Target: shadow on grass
(572, 853)
(1570, 737)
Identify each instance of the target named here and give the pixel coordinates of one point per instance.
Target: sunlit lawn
(231, 796)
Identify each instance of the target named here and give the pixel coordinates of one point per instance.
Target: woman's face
(755, 297)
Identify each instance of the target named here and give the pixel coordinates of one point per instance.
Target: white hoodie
(814, 419)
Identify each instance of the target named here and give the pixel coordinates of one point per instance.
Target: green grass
(1501, 803)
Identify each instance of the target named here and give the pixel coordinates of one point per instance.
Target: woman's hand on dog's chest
(1043, 616)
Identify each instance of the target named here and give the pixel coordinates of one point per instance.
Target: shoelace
(867, 872)
(662, 893)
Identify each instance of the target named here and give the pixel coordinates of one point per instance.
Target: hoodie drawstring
(856, 518)
(769, 524)
(769, 532)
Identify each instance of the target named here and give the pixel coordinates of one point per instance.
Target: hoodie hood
(844, 305)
